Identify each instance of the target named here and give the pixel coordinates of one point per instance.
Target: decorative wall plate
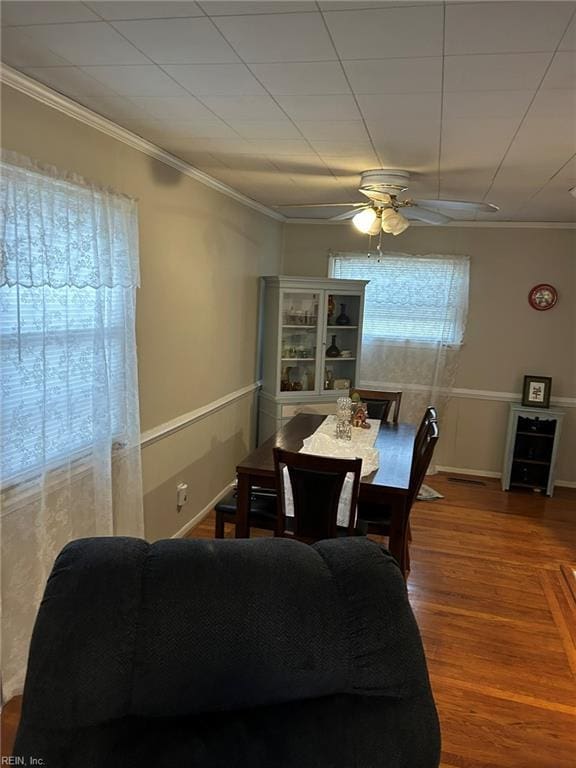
(543, 296)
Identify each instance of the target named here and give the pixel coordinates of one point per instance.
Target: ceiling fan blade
(347, 215)
(458, 205)
(415, 212)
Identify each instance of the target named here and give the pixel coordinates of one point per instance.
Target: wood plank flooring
(492, 587)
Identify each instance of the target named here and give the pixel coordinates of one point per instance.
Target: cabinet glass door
(341, 342)
(298, 341)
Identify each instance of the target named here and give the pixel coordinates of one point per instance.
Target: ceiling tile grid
(289, 101)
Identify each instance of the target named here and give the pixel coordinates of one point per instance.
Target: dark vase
(342, 318)
(333, 350)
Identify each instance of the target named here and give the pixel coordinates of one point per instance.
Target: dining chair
(263, 511)
(393, 519)
(380, 403)
(317, 495)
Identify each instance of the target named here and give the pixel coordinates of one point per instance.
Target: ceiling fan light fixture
(393, 223)
(367, 221)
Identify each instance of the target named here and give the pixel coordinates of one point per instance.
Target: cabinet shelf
(531, 461)
(537, 486)
(302, 327)
(298, 359)
(341, 327)
(535, 434)
(334, 359)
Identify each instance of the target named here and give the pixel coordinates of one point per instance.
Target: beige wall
(505, 338)
(200, 256)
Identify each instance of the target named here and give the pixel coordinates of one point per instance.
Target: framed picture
(536, 391)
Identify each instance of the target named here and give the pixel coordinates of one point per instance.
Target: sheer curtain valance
(62, 231)
(69, 417)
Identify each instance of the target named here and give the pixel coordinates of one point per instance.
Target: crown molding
(456, 224)
(45, 95)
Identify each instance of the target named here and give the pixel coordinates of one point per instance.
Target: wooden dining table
(389, 484)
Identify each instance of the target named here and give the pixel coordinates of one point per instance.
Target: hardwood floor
(492, 586)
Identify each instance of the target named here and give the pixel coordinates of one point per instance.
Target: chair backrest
(430, 414)
(315, 491)
(424, 444)
(380, 403)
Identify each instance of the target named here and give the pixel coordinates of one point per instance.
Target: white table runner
(323, 442)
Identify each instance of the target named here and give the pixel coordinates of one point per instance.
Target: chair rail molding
(46, 95)
(468, 394)
(186, 419)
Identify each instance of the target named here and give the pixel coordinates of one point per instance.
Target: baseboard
(490, 473)
(199, 516)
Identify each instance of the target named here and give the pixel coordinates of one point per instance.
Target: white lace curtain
(69, 422)
(414, 323)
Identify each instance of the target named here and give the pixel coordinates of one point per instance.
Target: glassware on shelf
(342, 318)
(331, 309)
(333, 350)
(328, 379)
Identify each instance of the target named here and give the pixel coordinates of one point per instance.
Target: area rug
(428, 494)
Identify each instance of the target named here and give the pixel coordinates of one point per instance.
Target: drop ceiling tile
(569, 40)
(173, 108)
(397, 107)
(244, 107)
(87, 43)
(310, 166)
(239, 8)
(328, 130)
(562, 72)
(308, 78)
(352, 165)
(260, 129)
(505, 27)
(178, 41)
(197, 129)
(495, 72)
(358, 5)
(464, 184)
(216, 79)
(19, 50)
(250, 163)
(218, 147)
(282, 147)
(71, 81)
(278, 37)
(316, 108)
(14, 13)
(413, 145)
(482, 104)
(117, 108)
(116, 10)
(556, 103)
(338, 148)
(418, 75)
(472, 144)
(403, 32)
(136, 81)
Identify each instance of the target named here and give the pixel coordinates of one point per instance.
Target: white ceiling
(288, 102)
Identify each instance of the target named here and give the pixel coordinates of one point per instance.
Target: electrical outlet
(181, 495)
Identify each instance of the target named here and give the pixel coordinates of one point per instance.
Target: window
(61, 356)
(68, 273)
(409, 298)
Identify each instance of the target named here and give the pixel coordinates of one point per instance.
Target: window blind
(410, 298)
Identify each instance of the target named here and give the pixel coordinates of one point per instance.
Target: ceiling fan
(385, 211)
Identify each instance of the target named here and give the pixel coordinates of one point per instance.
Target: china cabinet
(531, 448)
(311, 344)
